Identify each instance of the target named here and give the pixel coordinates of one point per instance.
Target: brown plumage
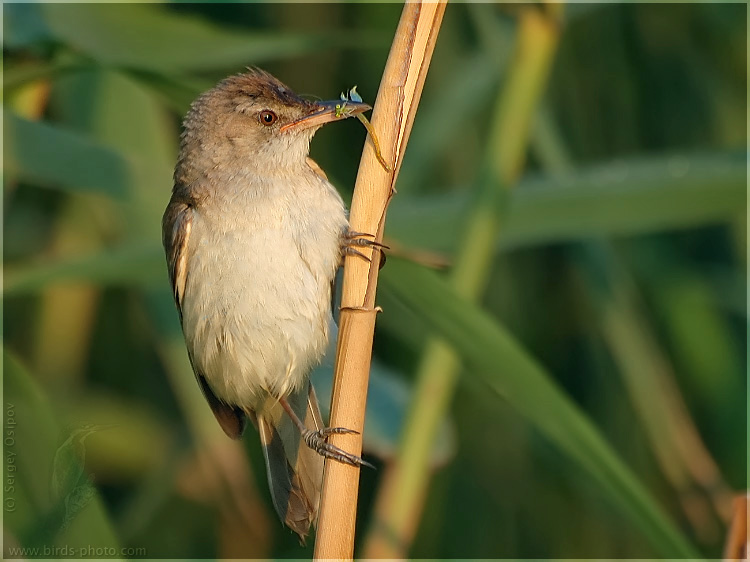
(253, 235)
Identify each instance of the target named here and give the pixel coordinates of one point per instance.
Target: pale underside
(256, 303)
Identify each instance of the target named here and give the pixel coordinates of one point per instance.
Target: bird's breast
(261, 260)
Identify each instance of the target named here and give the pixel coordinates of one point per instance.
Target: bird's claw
(353, 240)
(316, 440)
(326, 431)
(349, 251)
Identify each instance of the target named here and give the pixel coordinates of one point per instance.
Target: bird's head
(253, 119)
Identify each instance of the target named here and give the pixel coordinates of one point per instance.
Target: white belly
(256, 309)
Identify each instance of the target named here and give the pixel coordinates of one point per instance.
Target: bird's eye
(267, 117)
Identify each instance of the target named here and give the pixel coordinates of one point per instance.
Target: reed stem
(392, 118)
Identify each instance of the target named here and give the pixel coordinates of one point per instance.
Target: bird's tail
(295, 472)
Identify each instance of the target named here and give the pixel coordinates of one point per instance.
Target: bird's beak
(326, 112)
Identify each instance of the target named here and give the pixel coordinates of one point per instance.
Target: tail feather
(295, 472)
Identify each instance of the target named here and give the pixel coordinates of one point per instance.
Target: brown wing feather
(177, 226)
(231, 419)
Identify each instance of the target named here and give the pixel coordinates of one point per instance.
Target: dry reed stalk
(737, 546)
(392, 118)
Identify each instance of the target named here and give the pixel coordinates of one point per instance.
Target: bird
(254, 234)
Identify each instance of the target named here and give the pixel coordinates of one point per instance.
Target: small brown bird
(254, 234)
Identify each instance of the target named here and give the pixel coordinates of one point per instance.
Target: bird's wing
(177, 226)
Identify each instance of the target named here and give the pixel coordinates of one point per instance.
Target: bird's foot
(316, 440)
(354, 240)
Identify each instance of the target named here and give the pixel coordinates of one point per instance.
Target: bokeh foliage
(601, 411)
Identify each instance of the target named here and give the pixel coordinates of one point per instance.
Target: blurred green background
(571, 222)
